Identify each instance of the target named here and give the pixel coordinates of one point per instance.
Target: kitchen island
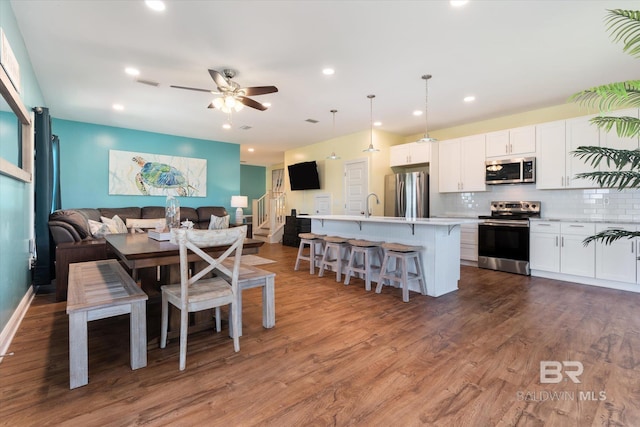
(440, 238)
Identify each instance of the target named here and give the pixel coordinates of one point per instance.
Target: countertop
(393, 220)
(587, 220)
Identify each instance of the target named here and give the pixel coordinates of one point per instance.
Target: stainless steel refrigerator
(407, 195)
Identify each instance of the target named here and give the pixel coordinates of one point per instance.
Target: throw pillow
(115, 224)
(219, 222)
(98, 229)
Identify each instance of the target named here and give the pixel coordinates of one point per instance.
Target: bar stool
(368, 250)
(334, 247)
(402, 254)
(315, 242)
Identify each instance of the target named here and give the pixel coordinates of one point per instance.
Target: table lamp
(239, 202)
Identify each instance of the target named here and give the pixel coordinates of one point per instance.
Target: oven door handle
(506, 224)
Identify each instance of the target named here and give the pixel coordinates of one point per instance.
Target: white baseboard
(9, 331)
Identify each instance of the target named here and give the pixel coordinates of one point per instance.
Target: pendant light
(371, 149)
(333, 153)
(426, 137)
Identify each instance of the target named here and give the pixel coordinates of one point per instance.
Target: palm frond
(612, 156)
(624, 25)
(625, 126)
(613, 179)
(611, 235)
(610, 96)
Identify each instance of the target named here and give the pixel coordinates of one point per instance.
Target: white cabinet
(575, 257)
(617, 260)
(469, 242)
(557, 247)
(461, 164)
(409, 154)
(556, 166)
(612, 140)
(580, 132)
(544, 246)
(550, 163)
(511, 142)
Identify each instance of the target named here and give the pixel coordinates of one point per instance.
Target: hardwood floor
(342, 356)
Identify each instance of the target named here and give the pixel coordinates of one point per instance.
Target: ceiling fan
(233, 95)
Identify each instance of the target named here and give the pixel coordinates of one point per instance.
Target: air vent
(245, 127)
(148, 82)
(311, 121)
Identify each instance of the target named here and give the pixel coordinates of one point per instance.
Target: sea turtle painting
(161, 175)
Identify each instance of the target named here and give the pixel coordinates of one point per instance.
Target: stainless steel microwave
(511, 171)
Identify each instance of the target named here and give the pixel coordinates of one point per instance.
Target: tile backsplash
(594, 204)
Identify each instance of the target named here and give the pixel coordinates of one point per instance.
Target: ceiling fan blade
(195, 88)
(219, 79)
(251, 103)
(259, 90)
(211, 105)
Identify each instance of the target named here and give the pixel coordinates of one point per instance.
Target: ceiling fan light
(229, 101)
(218, 103)
(239, 106)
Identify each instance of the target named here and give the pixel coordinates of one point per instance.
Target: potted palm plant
(624, 26)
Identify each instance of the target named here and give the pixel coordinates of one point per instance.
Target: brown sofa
(74, 242)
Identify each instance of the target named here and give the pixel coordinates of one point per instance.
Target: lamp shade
(239, 202)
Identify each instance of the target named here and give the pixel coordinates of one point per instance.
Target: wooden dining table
(138, 251)
(143, 255)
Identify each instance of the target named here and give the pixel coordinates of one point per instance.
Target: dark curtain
(47, 195)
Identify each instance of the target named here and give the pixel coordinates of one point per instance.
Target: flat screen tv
(304, 176)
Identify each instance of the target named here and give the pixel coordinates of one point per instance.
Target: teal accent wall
(15, 224)
(84, 164)
(253, 184)
(9, 137)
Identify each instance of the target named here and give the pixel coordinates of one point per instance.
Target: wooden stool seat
(402, 255)
(368, 250)
(311, 236)
(316, 250)
(336, 254)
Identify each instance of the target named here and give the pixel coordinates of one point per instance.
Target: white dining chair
(196, 293)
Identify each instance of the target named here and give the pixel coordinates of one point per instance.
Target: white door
(322, 204)
(356, 179)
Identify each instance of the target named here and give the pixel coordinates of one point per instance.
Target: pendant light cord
(426, 78)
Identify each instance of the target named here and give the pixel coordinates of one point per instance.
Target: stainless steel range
(503, 237)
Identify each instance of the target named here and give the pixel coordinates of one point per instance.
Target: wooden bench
(253, 277)
(97, 290)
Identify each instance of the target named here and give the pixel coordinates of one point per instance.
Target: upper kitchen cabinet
(461, 164)
(612, 140)
(556, 165)
(511, 142)
(410, 154)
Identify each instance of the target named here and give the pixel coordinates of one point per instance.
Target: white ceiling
(514, 56)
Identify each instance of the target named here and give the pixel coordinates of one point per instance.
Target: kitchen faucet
(366, 208)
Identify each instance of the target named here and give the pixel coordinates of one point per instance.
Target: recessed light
(156, 5)
(251, 150)
(417, 113)
(226, 126)
(328, 71)
(377, 123)
(266, 104)
(118, 107)
(458, 3)
(469, 98)
(132, 71)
